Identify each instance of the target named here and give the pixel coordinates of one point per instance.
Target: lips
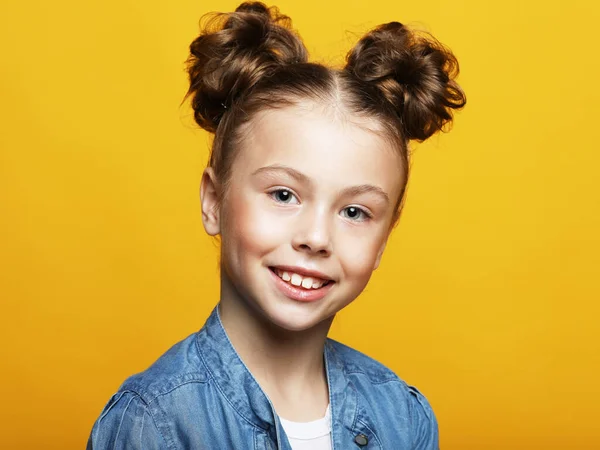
(300, 279)
(300, 284)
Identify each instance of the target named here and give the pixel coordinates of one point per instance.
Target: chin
(293, 318)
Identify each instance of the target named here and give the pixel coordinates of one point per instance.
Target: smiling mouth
(300, 281)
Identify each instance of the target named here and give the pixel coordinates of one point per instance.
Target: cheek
(358, 256)
(248, 228)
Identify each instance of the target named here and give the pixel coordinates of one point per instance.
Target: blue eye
(284, 196)
(355, 213)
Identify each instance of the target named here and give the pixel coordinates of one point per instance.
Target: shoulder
(385, 390)
(126, 423)
(366, 370)
(134, 417)
(179, 365)
(358, 363)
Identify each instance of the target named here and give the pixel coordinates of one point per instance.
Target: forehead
(323, 143)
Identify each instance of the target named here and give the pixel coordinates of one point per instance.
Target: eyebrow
(366, 189)
(275, 168)
(300, 177)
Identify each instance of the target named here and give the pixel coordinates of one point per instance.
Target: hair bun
(254, 7)
(414, 73)
(233, 52)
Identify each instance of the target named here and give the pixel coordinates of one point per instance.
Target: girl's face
(307, 214)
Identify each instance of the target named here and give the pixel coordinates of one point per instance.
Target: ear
(211, 217)
(379, 255)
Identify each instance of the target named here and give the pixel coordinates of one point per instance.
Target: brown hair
(251, 60)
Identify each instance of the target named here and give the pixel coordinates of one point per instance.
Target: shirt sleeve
(425, 426)
(125, 423)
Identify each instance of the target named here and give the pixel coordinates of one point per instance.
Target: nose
(313, 234)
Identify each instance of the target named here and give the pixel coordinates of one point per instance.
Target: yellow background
(488, 296)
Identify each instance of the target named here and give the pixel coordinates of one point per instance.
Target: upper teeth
(299, 280)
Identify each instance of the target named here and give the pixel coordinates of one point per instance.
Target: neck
(288, 365)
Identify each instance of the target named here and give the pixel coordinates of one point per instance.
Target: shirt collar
(243, 392)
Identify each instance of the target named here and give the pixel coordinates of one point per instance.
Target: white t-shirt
(315, 435)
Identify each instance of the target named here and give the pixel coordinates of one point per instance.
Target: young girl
(306, 179)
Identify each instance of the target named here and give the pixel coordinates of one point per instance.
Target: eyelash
(362, 211)
(366, 215)
(273, 194)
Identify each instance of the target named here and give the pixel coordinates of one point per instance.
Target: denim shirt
(200, 395)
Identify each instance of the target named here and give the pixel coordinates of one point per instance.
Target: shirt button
(361, 440)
